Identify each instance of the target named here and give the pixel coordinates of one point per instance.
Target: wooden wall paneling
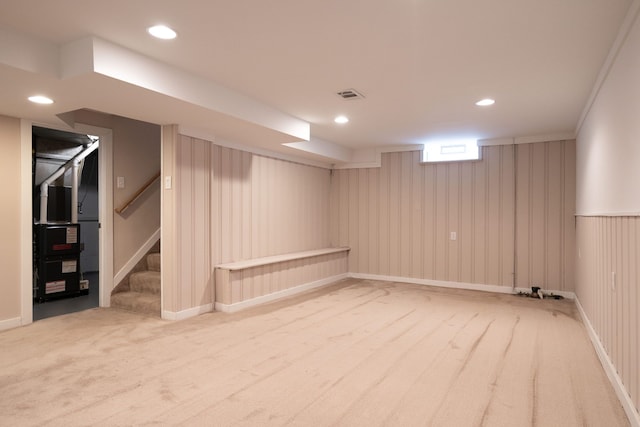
(633, 309)
(493, 242)
(466, 219)
(185, 210)
(385, 200)
(226, 205)
(265, 208)
(373, 210)
(405, 229)
(214, 209)
(201, 264)
(405, 213)
(417, 216)
(538, 215)
(334, 206)
(353, 218)
(246, 160)
(554, 186)
(441, 223)
(480, 181)
(453, 221)
(624, 268)
(507, 221)
(343, 219)
(606, 245)
(394, 213)
(232, 205)
(568, 215)
(429, 230)
(236, 206)
(363, 219)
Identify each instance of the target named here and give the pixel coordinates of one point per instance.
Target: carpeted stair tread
(145, 282)
(137, 301)
(153, 262)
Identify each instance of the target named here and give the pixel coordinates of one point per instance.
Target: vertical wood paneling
(384, 199)
(353, 219)
(429, 222)
(544, 221)
(284, 275)
(466, 218)
(608, 245)
(417, 206)
(232, 205)
(193, 223)
(404, 214)
(363, 223)
(441, 222)
(395, 208)
(416, 228)
(480, 218)
(374, 220)
(507, 214)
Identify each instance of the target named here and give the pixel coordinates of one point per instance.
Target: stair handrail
(138, 193)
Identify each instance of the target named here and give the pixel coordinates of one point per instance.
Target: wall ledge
(610, 370)
(232, 308)
(257, 262)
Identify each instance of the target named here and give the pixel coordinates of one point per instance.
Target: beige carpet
(358, 353)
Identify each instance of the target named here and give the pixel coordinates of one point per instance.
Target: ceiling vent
(350, 94)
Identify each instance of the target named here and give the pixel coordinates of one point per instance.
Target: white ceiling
(267, 72)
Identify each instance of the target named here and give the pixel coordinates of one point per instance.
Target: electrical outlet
(120, 182)
(454, 235)
(167, 182)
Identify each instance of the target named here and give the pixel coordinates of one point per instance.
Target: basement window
(450, 151)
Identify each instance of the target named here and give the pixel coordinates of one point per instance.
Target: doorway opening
(66, 222)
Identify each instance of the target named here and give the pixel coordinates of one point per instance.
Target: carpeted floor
(357, 353)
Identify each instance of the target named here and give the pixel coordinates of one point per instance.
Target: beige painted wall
(136, 157)
(229, 205)
(398, 219)
(10, 220)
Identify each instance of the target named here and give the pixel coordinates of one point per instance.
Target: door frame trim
(105, 201)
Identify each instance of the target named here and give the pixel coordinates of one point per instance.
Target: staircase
(143, 294)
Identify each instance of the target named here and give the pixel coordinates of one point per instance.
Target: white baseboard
(232, 308)
(185, 314)
(136, 258)
(610, 370)
(10, 323)
(455, 285)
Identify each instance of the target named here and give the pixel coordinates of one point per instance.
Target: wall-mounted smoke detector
(350, 94)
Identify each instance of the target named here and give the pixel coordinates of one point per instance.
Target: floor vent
(350, 94)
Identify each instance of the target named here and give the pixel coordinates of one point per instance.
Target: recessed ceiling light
(39, 99)
(485, 102)
(162, 32)
(341, 119)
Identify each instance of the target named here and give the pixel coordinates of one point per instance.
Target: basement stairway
(142, 295)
